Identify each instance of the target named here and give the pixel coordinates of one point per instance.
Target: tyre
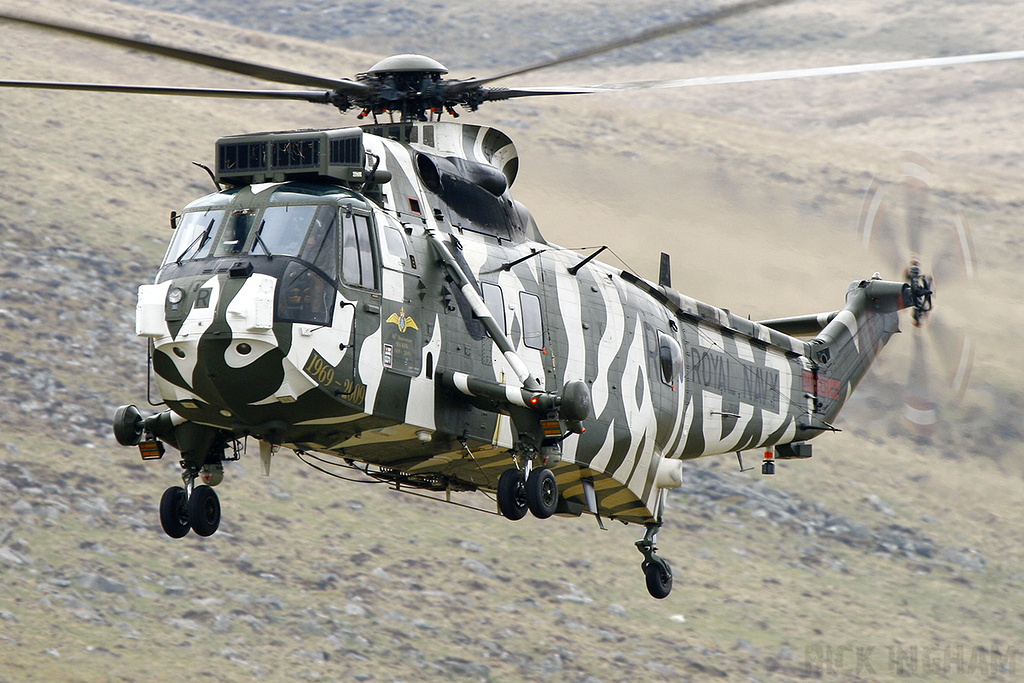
(512, 494)
(204, 510)
(174, 512)
(542, 493)
(659, 579)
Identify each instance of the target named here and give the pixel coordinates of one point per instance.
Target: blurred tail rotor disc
(929, 251)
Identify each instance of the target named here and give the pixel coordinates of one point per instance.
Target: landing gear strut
(656, 569)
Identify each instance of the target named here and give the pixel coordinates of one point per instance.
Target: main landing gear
(533, 489)
(193, 506)
(656, 569)
(181, 511)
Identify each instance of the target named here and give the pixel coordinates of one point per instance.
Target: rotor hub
(920, 291)
(409, 84)
(407, 63)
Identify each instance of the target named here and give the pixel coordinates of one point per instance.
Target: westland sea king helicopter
(374, 298)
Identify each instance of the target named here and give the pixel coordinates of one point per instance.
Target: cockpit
(313, 242)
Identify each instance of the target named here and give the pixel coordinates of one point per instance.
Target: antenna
(665, 276)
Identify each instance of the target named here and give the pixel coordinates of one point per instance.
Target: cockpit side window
(321, 245)
(193, 238)
(358, 261)
(283, 229)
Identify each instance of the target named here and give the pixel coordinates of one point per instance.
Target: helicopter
(373, 298)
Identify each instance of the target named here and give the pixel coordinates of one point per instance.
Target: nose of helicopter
(214, 346)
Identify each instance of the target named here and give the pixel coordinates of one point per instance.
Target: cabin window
(395, 242)
(670, 358)
(495, 303)
(304, 296)
(533, 328)
(236, 233)
(193, 238)
(282, 230)
(358, 266)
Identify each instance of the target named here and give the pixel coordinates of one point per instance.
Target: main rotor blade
(768, 75)
(642, 37)
(267, 73)
(319, 96)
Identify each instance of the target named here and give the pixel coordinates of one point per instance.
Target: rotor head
(920, 290)
(407, 63)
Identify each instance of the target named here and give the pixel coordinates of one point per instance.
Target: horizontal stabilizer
(801, 325)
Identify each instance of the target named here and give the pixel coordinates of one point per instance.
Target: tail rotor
(927, 247)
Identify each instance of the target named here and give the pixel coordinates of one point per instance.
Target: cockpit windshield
(310, 232)
(236, 232)
(193, 238)
(283, 229)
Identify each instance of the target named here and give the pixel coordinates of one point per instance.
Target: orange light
(151, 450)
(551, 428)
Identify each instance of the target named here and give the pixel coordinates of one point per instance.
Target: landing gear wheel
(542, 492)
(512, 494)
(128, 425)
(204, 510)
(659, 578)
(174, 512)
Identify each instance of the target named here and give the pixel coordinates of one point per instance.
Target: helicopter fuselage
(329, 315)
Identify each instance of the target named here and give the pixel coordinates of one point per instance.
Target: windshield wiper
(259, 240)
(199, 238)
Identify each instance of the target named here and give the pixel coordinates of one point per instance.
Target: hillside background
(882, 558)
